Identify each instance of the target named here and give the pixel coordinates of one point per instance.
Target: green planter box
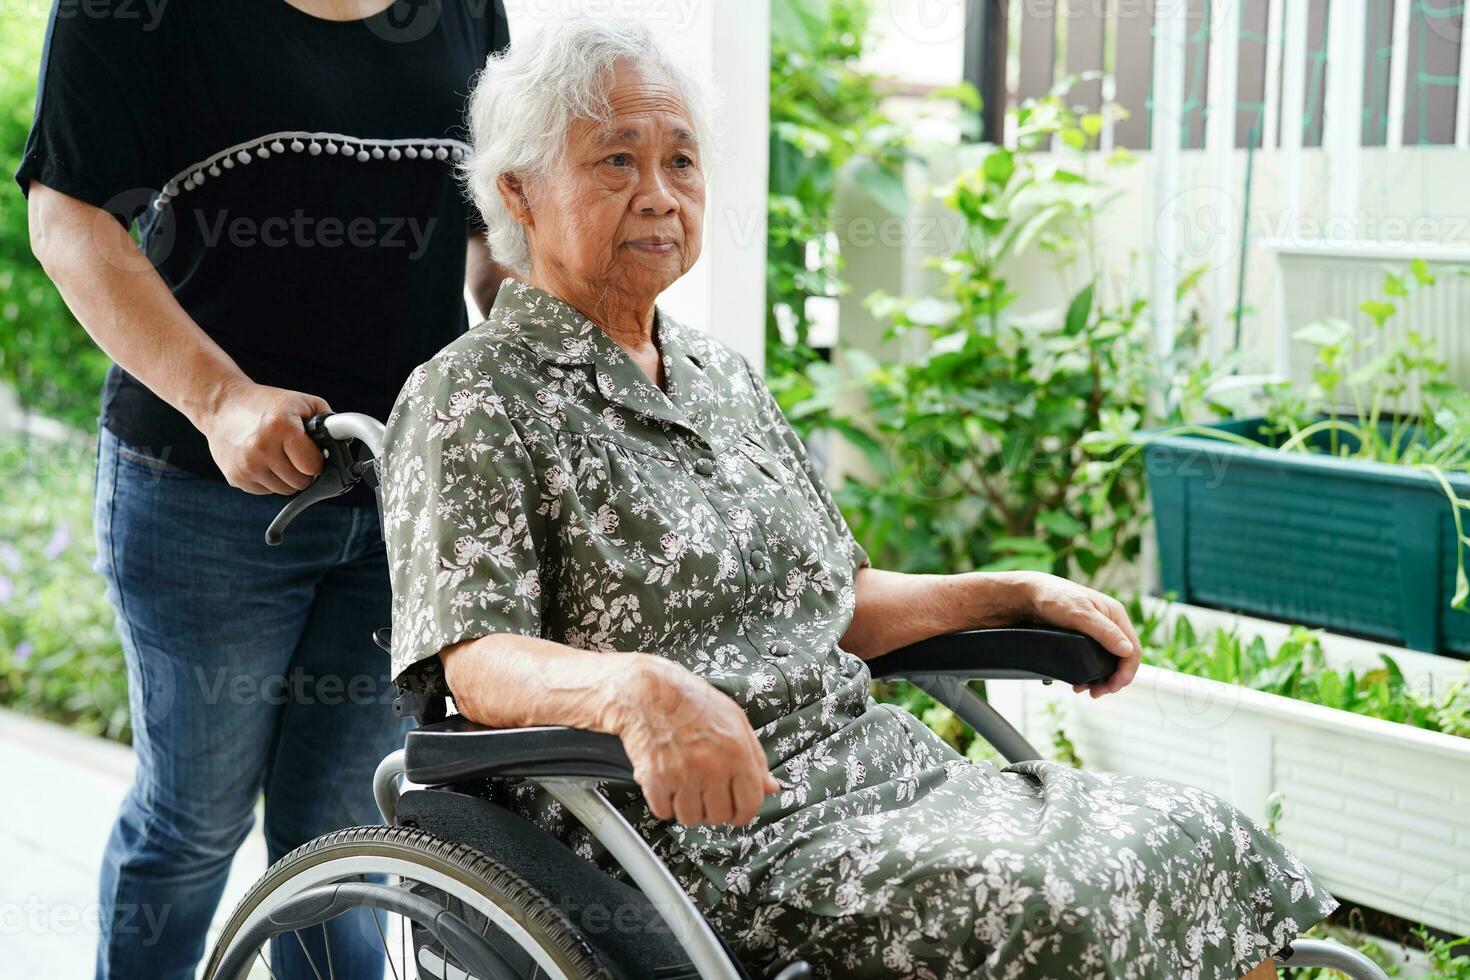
(1359, 548)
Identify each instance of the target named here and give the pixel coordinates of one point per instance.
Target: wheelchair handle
(333, 433)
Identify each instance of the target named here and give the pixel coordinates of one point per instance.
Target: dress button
(758, 559)
(704, 466)
(782, 648)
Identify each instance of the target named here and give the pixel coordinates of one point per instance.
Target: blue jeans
(251, 669)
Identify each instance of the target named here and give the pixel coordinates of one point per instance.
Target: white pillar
(1398, 74)
(1293, 109)
(1164, 140)
(1220, 121)
(728, 47)
(1342, 125)
(1272, 122)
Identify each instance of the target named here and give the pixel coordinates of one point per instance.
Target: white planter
(1378, 810)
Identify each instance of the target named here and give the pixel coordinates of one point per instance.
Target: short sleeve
(774, 420)
(96, 131)
(460, 498)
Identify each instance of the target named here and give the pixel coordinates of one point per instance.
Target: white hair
(528, 96)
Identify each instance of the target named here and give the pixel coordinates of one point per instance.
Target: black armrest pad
(1061, 654)
(457, 749)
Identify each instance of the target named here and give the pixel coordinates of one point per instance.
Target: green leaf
(799, 24)
(1019, 238)
(1060, 523)
(999, 165)
(1328, 331)
(1078, 311)
(1029, 546)
(1378, 310)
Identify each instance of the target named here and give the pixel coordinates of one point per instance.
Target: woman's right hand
(257, 435)
(692, 748)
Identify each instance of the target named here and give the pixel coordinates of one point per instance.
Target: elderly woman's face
(623, 212)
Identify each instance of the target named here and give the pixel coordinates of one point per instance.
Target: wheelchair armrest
(1012, 652)
(457, 749)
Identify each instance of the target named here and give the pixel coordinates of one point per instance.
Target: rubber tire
(547, 924)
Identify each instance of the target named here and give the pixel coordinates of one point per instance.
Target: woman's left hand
(1055, 601)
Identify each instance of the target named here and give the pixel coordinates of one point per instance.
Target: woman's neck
(628, 322)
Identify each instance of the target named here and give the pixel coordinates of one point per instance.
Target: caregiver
(302, 245)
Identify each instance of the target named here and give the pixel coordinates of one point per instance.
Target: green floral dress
(536, 482)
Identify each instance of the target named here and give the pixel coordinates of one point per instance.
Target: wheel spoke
(327, 942)
(309, 961)
(387, 955)
(265, 963)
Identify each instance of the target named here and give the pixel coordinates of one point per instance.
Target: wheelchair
(470, 889)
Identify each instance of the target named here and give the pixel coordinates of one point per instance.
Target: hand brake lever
(337, 477)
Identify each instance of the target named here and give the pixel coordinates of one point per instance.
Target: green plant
(1297, 668)
(1063, 748)
(1449, 959)
(1369, 371)
(59, 653)
(825, 115)
(45, 354)
(974, 445)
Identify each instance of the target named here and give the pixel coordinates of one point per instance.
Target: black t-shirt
(292, 179)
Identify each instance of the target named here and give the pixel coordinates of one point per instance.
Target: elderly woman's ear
(513, 194)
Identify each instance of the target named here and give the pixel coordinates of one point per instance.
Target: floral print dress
(536, 482)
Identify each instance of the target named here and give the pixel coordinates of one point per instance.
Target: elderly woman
(598, 517)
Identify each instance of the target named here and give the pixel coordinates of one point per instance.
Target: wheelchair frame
(570, 762)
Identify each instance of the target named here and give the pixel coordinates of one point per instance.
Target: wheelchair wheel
(452, 912)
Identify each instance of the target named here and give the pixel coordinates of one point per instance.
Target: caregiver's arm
(894, 609)
(255, 432)
(692, 748)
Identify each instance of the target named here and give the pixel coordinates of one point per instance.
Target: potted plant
(1327, 509)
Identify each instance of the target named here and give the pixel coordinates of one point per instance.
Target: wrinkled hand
(1058, 602)
(257, 436)
(692, 748)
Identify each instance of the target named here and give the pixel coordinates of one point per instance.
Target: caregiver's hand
(1055, 601)
(692, 748)
(257, 435)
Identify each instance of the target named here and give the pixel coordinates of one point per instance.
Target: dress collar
(556, 331)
